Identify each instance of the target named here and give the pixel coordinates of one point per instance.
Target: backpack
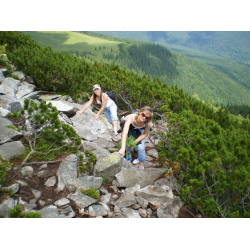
(111, 96)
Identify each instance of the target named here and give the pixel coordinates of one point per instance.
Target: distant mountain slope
(233, 45)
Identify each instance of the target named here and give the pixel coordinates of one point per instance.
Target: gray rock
(36, 193)
(167, 210)
(132, 190)
(44, 173)
(64, 107)
(29, 207)
(33, 201)
(10, 149)
(143, 202)
(136, 206)
(50, 182)
(4, 112)
(154, 193)
(97, 210)
(41, 203)
(86, 181)
(20, 74)
(5, 122)
(125, 200)
(154, 204)
(114, 188)
(9, 86)
(49, 212)
(44, 166)
(129, 177)
(2, 78)
(27, 171)
(5, 206)
(71, 188)
(62, 202)
(24, 89)
(109, 166)
(15, 106)
(87, 121)
(65, 118)
(153, 152)
(143, 212)
(149, 212)
(104, 190)
(131, 213)
(149, 164)
(14, 188)
(67, 212)
(48, 98)
(67, 170)
(8, 134)
(21, 202)
(104, 143)
(22, 183)
(105, 199)
(86, 135)
(81, 200)
(168, 181)
(95, 148)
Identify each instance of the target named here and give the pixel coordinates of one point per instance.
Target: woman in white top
(138, 125)
(109, 107)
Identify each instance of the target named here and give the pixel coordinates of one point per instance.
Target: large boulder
(167, 210)
(9, 86)
(10, 149)
(81, 200)
(87, 121)
(129, 177)
(109, 166)
(67, 170)
(8, 134)
(24, 89)
(86, 181)
(153, 193)
(64, 107)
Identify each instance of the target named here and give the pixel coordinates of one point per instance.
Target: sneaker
(141, 167)
(136, 161)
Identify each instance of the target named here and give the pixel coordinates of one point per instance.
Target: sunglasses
(144, 116)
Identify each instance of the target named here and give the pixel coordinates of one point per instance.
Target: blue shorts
(111, 113)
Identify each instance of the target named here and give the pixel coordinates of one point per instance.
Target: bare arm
(144, 135)
(87, 105)
(125, 134)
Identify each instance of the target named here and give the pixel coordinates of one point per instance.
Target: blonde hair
(146, 108)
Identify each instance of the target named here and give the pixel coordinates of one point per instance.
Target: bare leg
(114, 127)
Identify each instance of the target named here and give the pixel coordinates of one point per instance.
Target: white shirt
(110, 101)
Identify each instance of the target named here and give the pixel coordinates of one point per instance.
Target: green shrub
(17, 212)
(92, 192)
(4, 166)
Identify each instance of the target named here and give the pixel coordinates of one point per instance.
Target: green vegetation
(4, 166)
(17, 212)
(44, 132)
(90, 162)
(92, 192)
(130, 142)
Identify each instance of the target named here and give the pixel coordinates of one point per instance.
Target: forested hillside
(220, 81)
(206, 147)
(233, 45)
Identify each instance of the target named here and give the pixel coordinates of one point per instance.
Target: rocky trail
(54, 189)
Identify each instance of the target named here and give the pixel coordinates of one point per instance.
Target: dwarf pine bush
(43, 130)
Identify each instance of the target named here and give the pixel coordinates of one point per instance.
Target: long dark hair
(95, 96)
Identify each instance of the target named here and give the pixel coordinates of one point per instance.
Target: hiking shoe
(136, 161)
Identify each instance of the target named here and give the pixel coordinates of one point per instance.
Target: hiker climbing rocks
(138, 125)
(109, 107)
